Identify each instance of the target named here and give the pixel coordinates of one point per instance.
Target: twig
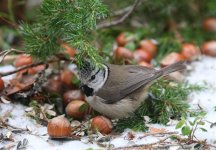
(36, 64)
(9, 58)
(210, 145)
(44, 115)
(6, 52)
(143, 145)
(122, 19)
(26, 67)
(9, 22)
(189, 141)
(150, 134)
(11, 50)
(6, 125)
(71, 137)
(79, 126)
(122, 11)
(193, 133)
(8, 146)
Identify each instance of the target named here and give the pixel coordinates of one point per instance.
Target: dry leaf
(29, 128)
(48, 106)
(84, 140)
(147, 119)
(4, 100)
(130, 136)
(8, 135)
(172, 122)
(41, 116)
(20, 83)
(51, 112)
(157, 130)
(9, 146)
(75, 123)
(29, 109)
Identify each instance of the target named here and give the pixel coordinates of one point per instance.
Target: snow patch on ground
(4, 69)
(203, 73)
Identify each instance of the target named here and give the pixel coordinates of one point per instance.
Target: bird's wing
(123, 80)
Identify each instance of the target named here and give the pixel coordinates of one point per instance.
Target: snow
(203, 72)
(4, 69)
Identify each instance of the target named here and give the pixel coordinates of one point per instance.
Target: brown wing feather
(123, 80)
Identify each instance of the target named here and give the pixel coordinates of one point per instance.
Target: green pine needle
(134, 122)
(70, 21)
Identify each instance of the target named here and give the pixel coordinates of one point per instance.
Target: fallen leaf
(29, 128)
(8, 135)
(130, 136)
(48, 106)
(156, 130)
(147, 119)
(9, 146)
(20, 83)
(41, 116)
(75, 123)
(29, 109)
(51, 112)
(4, 100)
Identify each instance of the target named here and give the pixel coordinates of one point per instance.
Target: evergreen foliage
(70, 21)
(134, 122)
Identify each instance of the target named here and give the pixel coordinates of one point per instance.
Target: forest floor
(33, 136)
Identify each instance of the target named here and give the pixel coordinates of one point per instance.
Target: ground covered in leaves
(21, 131)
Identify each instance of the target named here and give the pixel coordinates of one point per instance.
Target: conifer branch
(64, 20)
(121, 20)
(3, 54)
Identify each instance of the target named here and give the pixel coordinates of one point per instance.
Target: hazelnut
(190, 51)
(171, 59)
(102, 124)
(209, 48)
(66, 77)
(141, 55)
(209, 24)
(122, 39)
(53, 86)
(148, 45)
(1, 84)
(145, 64)
(122, 52)
(23, 60)
(68, 49)
(70, 95)
(73, 109)
(59, 127)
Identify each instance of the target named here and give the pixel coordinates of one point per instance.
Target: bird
(116, 91)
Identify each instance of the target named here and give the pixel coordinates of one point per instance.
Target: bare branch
(3, 54)
(159, 134)
(122, 11)
(122, 19)
(59, 58)
(143, 145)
(24, 67)
(33, 65)
(14, 25)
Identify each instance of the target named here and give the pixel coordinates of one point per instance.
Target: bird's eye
(93, 77)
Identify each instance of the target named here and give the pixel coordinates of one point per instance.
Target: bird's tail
(174, 67)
